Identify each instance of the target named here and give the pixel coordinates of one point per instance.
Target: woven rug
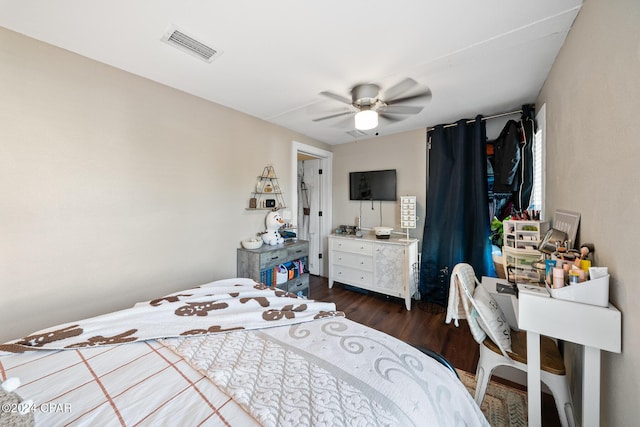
(503, 406)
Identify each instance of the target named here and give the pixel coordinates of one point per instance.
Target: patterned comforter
(285, 361)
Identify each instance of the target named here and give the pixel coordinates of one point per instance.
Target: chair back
(468, 282)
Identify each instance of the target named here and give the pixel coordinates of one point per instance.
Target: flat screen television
(373, 185)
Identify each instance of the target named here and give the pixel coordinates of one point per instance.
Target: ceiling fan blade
(346, 123)
(400, 88)
(344, 113)
(337, 97)
(426, 94)
(386, 118)
(402, 109)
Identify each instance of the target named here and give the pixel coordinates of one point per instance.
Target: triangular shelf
(267, 194)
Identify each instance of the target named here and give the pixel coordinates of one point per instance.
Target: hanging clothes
(303, 196)
(522, 198)
(490, 182)
(506, 159)
(513, 164)
(304, 190)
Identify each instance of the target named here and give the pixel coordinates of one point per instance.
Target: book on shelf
(290, 269)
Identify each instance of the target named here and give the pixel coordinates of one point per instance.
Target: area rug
(503, 406)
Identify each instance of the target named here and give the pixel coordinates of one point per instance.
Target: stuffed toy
(272, 236)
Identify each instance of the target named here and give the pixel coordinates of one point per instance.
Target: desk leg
(591, 387)
(533, 379)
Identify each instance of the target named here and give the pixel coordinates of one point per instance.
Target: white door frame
(326, 164)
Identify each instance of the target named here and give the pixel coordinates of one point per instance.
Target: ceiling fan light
(366, 119)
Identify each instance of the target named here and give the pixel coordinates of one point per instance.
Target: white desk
(596, 328)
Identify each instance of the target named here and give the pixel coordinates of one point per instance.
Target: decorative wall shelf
(267, 194)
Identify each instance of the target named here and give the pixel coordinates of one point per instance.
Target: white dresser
(379, 265)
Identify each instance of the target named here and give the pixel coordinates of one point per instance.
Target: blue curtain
(457, 223)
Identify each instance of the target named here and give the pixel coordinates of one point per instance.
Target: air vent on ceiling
(356, 133)
(178, 38)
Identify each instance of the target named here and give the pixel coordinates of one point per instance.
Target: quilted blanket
(220, 306)
(329, 372)
(232, 352)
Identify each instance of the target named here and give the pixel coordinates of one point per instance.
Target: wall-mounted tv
(373, 185)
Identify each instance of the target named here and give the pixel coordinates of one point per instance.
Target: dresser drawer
(298, 251)
(352, 276)
(299, 286)
(271, 258)
(350, 259)
(355, 246)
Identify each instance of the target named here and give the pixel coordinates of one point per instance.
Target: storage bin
(518, 265)
(594, 292)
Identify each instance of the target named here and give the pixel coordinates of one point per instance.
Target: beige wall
(592, 96)
(115, 189)
(405, 152)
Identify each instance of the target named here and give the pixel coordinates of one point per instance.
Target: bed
(229, 353)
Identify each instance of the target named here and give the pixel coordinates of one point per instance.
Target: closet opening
(311, 201)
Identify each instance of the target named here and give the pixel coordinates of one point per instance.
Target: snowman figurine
(273, 221)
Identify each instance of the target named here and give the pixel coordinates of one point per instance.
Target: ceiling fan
(368, 105)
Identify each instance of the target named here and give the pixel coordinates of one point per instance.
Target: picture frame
(568, 222)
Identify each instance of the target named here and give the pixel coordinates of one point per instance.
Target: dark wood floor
(424, 325)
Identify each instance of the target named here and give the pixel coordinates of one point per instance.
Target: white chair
(493, 352)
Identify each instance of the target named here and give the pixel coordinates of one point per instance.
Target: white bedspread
(243, 355)
(219, 306)
(330, 372)
(136, 384)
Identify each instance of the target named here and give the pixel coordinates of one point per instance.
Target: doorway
(311, 204)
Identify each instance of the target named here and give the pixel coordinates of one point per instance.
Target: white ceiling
(477, 57)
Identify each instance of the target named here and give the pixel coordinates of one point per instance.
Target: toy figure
(273, 221)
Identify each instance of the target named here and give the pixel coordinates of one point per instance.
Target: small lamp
(366, 119)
